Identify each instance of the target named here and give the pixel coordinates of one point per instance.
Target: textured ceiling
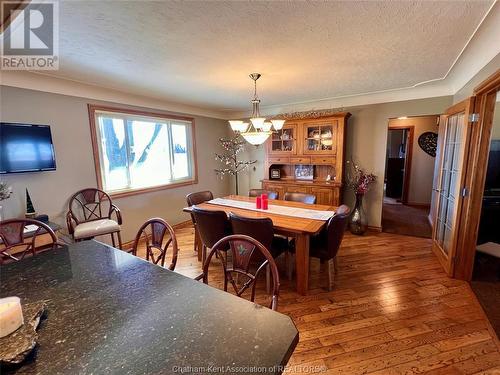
(201, 53)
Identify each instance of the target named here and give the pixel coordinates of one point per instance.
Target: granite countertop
(112, 313)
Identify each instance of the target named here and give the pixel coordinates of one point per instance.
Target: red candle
(258, 202)
(264, 204)
(264, 196)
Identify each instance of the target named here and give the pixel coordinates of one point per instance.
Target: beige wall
(482, 75)
(366, 144)
(68, 118)
(495, 131)
(422, 164)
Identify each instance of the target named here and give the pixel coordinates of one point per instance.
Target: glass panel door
(320, 138)
(450, 183)
(283, 140)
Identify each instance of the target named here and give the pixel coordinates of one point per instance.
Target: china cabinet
(311, 144)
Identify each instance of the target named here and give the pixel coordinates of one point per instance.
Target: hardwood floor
(392, 311)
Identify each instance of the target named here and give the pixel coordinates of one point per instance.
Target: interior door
(437, 166)
(450, 187)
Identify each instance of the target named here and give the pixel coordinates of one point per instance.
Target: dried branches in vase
(359, 181)
(229, 158)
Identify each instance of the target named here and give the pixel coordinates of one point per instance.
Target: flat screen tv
(26, 148)
(492, 184)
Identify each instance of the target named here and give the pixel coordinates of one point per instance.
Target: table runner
(276, 210)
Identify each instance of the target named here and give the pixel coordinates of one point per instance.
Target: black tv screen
(26, 148)
(493, 173)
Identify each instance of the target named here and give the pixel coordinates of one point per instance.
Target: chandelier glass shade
(238, 126)
(258, 130)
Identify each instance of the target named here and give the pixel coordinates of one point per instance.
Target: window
(137, 151)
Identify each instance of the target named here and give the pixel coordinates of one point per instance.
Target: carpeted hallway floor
(486, 286)
(406, 220)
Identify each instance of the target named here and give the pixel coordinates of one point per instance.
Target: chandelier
(258, 130)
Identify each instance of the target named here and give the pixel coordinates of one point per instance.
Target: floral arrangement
(358, 179)
(5, 191)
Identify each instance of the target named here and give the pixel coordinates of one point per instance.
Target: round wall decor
(428, 142)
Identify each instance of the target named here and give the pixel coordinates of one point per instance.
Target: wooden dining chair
(258, 192)
(326, 244)
(91, 213)
(17, 242)
(157, 236)
(212, 226)
(300, 197)
(262, 230)
(192, 199)
(241, 271)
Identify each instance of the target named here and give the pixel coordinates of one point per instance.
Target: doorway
(398, 164)
(408, 176)
(486, 273)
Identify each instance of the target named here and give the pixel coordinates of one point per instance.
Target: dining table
(109, 312)
(284, 223)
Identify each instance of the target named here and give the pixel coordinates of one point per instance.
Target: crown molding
(483, 47)
(430, 90)
(46, 83)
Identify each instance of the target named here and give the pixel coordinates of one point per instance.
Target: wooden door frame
(448, 261)
(476, 170)
(408, 158)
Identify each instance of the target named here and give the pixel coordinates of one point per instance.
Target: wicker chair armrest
(118, 213)
(71, 222)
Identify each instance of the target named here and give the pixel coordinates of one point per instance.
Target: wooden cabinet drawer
(298, 189)
(322, 160)
(302, 160)
(279, 160)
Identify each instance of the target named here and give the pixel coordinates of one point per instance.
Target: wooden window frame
(92, 109)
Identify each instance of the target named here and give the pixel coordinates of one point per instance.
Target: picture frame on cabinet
(304, 172)
(275, 174)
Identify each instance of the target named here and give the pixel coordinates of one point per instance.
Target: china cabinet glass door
(283, 140)
(320, 138)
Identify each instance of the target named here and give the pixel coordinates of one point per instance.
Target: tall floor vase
(358, 222)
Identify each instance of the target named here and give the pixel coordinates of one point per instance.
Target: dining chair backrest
(244, 251)
(90, 204)
(258, 192)
(336, 227)
(157, 236)
(15, 239)
(300, 197)
(199, 197)
(259, 228)
(212, 225)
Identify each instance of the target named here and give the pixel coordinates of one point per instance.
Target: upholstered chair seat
(95, 228)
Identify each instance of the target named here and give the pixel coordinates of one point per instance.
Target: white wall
(69, 121)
